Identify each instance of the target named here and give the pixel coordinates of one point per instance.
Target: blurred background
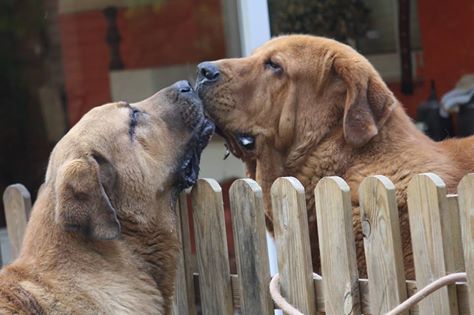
(60, 58)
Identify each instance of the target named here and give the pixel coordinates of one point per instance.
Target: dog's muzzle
(192, 113)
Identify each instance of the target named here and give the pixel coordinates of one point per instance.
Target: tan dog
(310, 107)
(102, 236)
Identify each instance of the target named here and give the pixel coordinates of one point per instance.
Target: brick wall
(448, 48)
(177, 32)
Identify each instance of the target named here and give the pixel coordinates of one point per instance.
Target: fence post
(432, 252)
(211, 248)
(290, 221)
(248, 220)
(337, 246)
(17, 203)
(466, 207)
(382, 243)
(183, 302)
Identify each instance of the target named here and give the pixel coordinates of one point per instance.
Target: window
(370, 26)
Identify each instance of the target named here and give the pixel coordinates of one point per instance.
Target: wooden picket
(466, 206)
(211, 248)
(442, 237)
(184, 298)
(338, 257)
(452, 221)
(17, 204)
(432, 253)
(251, 245)
(292, 243)
(383, 248)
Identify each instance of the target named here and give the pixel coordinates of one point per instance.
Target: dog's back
(462, 151)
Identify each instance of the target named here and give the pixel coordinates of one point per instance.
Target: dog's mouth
(188, 171)
(240, 144)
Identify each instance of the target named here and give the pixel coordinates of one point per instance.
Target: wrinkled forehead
(105, 117)
(105, 112)
(287, 45)
(301, 45)
(97, 127)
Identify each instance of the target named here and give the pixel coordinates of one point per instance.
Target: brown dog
(310, 107)
(102, 236)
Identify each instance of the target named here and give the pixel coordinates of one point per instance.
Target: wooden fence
(441, 225)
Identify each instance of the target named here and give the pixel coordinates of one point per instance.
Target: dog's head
(128, 161)
(278, 104)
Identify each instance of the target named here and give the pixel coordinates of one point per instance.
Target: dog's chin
(241, 144)
(188, 171)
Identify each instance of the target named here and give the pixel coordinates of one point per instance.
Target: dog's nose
(208, 71)
(183, 86)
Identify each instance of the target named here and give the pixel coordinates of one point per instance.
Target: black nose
(183, 86)
(207, 71)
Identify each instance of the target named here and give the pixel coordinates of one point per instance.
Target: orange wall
(447, 38)
(85, 57)
(177, 32)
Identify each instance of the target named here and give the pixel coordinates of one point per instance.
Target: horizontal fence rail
(441, 227)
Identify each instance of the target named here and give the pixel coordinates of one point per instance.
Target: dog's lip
(234, 145)
(198, 84)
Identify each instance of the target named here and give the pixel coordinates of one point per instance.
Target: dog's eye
(272, 65)
(134, 117)
(135, 113)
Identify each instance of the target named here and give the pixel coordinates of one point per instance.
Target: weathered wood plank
(184, 302)
(337, 246)
(466, 207)
(433, 255)
(248, 221)
(382, 243)
(451, 221)
(17, 203)
(211, 248)
(292, 242)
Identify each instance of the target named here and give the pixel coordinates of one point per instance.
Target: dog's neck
(157, 248)
(399, 152)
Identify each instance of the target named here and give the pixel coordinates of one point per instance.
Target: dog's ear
(368, 103)
(82, 204)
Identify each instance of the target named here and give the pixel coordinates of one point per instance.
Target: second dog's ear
(368, 104)
(82, 204)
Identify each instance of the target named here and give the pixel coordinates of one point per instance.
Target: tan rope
(406, 305)
(279, 300)
(430, 288)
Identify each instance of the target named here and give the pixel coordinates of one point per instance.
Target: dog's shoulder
(14, 297)
(125, 294)
(24, 292)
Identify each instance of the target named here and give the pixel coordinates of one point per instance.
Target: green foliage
(343, 20)
(18, 20)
